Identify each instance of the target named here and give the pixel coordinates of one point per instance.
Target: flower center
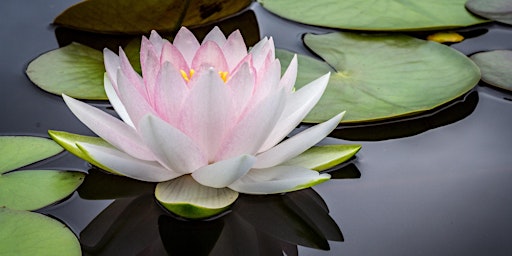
(187, 77)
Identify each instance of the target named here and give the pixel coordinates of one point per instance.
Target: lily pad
(32, 189)
(498, 10)
(123, 16)
(27, 233)
(75, 70)
(324, 157)
(375, 77)
(185, 197)
(383, 15)
(18, 151)
(496, 67)
(202, 12)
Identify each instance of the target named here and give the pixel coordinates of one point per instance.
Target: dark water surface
(436, 184)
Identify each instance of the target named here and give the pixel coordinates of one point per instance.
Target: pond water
(439, 183)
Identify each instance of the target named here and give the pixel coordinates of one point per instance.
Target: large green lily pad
(32, 189)
(496, 67)
(26, 233)
(382, 15)
(498, 10)
(138, 17)
(375, 77)
(18, 151)
(123, 16)
(75, 70)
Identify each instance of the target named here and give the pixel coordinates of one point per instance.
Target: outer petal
(210, 55)
(207, 113)
(172, 147)
(134, 77)
(127, 165)
(263, 50)
(278, 179)
(187, 44)
(223, 173)
(247, 136)
(115, 101)
(135, 104)
(241, 86)
(112, 64)
(297, 107)
(150, 65)
(170, 92)
(215, 35)
(111, 129)
(290, 75)
(157, 42)
(296, 144)
(234, 49)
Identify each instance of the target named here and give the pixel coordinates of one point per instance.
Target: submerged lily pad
(375, 77)
(383, 15)
(496, 67)
(18, 151)
(324, 157)
(26, 233)
(201, 12)
(187, 198)
(498, 10)
(32, 189)
(75, 70)
(123, 16)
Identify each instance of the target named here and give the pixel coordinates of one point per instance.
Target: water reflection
(451, 112)
(134, 224)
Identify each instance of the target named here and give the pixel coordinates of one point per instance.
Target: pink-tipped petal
(187, 44)
(135, 104)
(223, 173)
(215, 35)
(126, 165)
(157, 42)
(262, 51)
(172, 148)
(297, 144)
(131, 74)
(170, 92)
(150, 70)
(278, 179)
(114, 100)
(290, 75)
(234, 49)
(112, 64)
(250, 132)
(111, 129)
(210, 55)
(172, 55)
(241, 85)
(297, 107)
(207, 112)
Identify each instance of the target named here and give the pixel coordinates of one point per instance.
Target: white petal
(216, 36)
(247, 136)
(298, 105)
(135, 104)
(115, 101)
(290, 75)
(127, 165)
(187, 44)
(111, 129)
(278, 179)
(223, 173)
(172, 147)
(112, 63)
(296, 144)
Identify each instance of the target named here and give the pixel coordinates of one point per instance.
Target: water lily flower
(206, 120)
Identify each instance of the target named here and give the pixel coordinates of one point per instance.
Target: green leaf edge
(346, 152)
(56, 149)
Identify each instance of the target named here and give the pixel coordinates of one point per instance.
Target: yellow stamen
(223, 75)
(186, 76)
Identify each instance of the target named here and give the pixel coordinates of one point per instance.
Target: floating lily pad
(187, 198)
(324, 157)
(18, 151)
(139, 17)
(123, 16)
(383, 15)
(496, 67)
(26, 233)
(75, 70)
(375, 77)
(498, 10)
(32, 189)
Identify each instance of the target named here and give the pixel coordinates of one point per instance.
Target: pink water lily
(210, 111)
